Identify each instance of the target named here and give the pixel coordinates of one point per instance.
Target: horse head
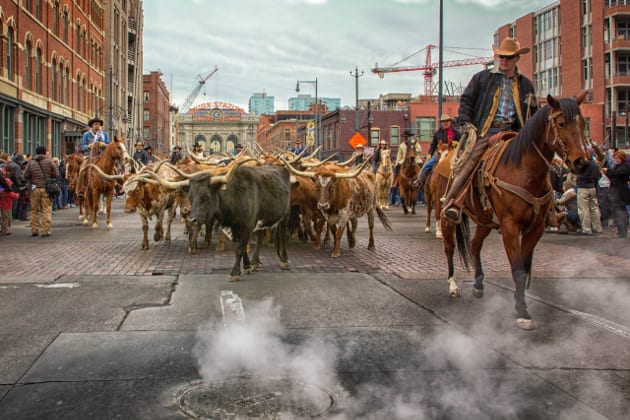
(410, 155)
(566, 125)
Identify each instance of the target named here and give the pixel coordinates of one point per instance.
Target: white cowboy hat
(510, 46)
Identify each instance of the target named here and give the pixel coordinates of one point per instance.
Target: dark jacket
(34, 174)
(141, 156)
(480, 100)
(440, 134)
(590, 177)
(619, 175)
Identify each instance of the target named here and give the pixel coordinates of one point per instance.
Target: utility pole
(111, 101)
(356, 76)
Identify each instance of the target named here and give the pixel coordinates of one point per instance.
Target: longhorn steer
(247, 199)
(344, 196)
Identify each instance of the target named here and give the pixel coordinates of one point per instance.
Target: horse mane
(532, 130)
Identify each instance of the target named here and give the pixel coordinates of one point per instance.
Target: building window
(7, 128)
(10, 51)
(145, 115)
(53, 80)
(67, 85)
(38, 71)
(426, 128)
(38, 9)
(28, 76)
(394, 135)
(146, 97)
(145, 132)
(623, 101)
(375, 136)
(56, 18)
(65, 26)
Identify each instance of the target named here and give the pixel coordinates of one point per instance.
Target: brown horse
(73, 167)
(409, 171)
(431, 191)
(95, 185)
(516, 195)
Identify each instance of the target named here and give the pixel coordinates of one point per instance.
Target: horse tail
(383, 218)
(462, 235)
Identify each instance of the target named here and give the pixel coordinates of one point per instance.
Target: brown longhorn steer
(344, 196)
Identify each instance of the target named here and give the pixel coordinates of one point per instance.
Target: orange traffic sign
(357, 139)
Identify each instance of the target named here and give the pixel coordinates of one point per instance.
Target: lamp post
(370, 120)
(356, 76)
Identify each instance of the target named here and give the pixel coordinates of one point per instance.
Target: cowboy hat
(510, 46)
(445, 117)
(382, 142)
(177, 147)
(95, 119)
(359, 146)
(408, 133)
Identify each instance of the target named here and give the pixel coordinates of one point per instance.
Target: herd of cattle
(254, 193)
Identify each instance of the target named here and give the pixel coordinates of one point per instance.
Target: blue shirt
(90, 137)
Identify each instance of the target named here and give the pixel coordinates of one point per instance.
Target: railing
(131, 55)
(133, 25)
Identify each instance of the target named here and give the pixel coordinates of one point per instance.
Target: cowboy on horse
(494, 100)
(95, 134)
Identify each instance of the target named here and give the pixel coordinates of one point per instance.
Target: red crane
(430, 68)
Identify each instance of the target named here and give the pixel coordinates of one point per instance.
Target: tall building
(51, 73)
(122, 105)
(63, 62)
(303, 102)
(581, 45)
(261, 103)
(156, 113)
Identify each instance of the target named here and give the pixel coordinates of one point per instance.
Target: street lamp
(297, 89)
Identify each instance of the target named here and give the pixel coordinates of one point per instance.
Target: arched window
(79, 102)
(232, 141)
(28, 76)
(10, 56)
(67, 85)
(65, 26)
(53, 80)
(38, 71)
(60, 82)
(56, 18)
(145, 115)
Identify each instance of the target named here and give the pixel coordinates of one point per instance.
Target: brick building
(51, 73)
(155, 114)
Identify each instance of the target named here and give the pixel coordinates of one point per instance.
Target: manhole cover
(240, 397)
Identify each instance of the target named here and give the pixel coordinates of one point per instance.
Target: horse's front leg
(512, 243)
(108, 207)
(94, 198)
(476, 244)
(448, 238)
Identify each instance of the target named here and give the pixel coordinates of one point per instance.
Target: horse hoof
(94, 226)
(478, 293)
(524, 324)
(235, 278)
(284, 265)
(455, 293)
(427, 230)
(85, 222)
(438, 235)
(109, 226)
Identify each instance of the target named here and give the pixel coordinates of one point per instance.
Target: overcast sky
(267, 45)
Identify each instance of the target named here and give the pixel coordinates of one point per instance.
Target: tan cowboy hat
(382, 142)
(510, 46)
(445, 117)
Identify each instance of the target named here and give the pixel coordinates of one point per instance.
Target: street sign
(357, 139)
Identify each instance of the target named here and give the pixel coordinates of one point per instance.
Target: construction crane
(429, 68)
(193, 95)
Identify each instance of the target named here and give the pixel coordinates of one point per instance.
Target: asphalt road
(94, 327)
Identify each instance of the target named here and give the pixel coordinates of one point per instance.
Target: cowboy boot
(455, 196)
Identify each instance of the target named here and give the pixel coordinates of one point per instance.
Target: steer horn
(224, 179)
(291, 169)
(316, 164)
(354, 172)
(103, 175)
(349, 161)
(175, 185)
